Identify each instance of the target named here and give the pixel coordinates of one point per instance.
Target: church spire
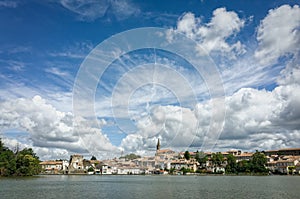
(158, 145)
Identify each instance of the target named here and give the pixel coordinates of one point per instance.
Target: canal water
(97, 186)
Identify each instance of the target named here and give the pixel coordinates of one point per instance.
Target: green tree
(187, 155)
(186, 170)
(1, 145)
(132, 156)
(93, 158)
(258, 162)
(90, 169)
(231, 166)
(171, 171)
(201, 158)
(244, 166)
(22, 163)
(27, 163)
(7, 162)
(217, 158)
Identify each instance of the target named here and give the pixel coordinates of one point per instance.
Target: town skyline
(167, 161)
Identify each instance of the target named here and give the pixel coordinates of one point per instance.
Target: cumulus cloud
(255, 119)
(214, 35)
(93, 9)
(52, 129)
(173, 124)
(278, 34)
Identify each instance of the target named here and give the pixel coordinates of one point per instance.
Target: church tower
(158, 145)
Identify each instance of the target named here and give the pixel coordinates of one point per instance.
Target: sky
(109, 77)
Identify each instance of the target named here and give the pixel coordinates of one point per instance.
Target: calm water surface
(97, 186)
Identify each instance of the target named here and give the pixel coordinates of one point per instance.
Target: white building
(54, 167)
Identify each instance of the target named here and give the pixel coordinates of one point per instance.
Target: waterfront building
(51, 167)
(146, 162)
(76, 164)
(287, 151)
(167, 159)
(163, 157)
(191, 164)
(287, 166)
(125, 170)
(54, 166)
(243, 156)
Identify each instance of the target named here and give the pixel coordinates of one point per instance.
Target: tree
(186, 170)
(7, 162)
(244, 166)
(258, 162)
(1, 145)
(217, 158)
(201, 158)
(172, 170)
(131, 156)
(187, 155)
(93, 158)
(27, 163)
(231, 166)
(22, 163)
(91, 169)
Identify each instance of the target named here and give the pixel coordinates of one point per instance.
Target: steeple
(158, 145)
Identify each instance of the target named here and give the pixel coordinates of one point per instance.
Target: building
(287, 151)
(54, 166)
(191, 164)
(131, 170)
(234, 152)
(76, 164)
(164, 157)
(287, 166)
(243, 156)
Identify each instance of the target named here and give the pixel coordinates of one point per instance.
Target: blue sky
(253, 44)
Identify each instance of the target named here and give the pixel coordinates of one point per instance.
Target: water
(96, 186)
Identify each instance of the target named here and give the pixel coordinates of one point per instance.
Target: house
(76, 164)
(287, 151)
(286, 166)
(54, 166)
(244, 156)
(125, 170)
(107, 169)
(146, 162)
(191, 164)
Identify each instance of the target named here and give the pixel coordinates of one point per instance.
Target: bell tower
(158, 145)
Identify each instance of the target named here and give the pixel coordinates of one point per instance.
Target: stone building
(76, 164)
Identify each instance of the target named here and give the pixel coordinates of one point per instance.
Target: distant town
(167, 161)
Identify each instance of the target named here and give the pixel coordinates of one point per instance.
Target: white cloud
(291, 74)
(52, 129)
(278, 34)
(255, 119)
(213, 35)
(93, 9)
(57, 71)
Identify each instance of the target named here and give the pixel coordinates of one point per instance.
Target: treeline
(255, 165)
(18, 163)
